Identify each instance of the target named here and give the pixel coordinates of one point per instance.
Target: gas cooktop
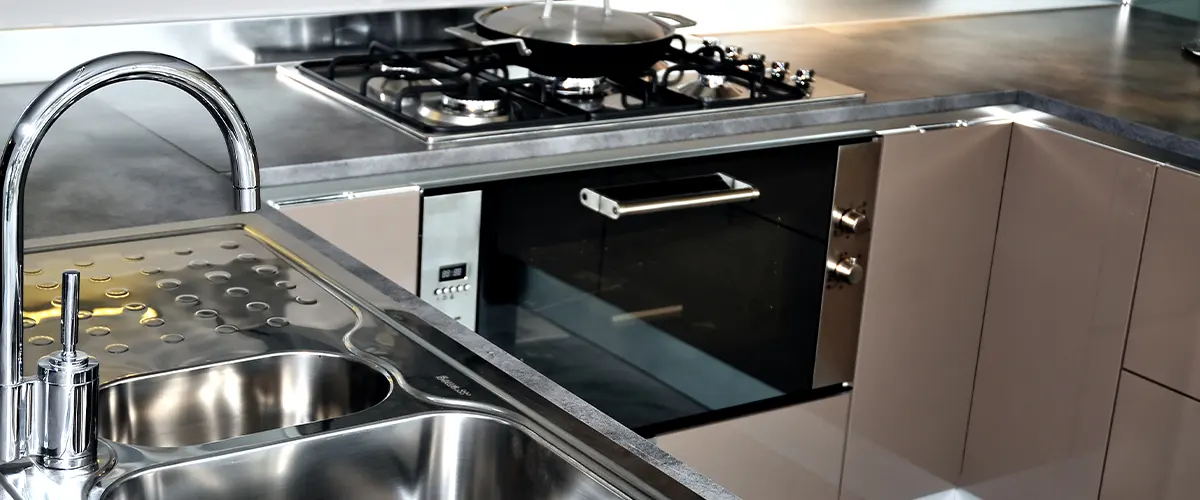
(467, 93)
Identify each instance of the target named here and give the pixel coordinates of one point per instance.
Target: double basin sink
(234, 369)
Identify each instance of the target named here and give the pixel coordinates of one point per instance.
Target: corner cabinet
(931, 248)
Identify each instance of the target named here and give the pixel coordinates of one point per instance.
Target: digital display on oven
(452, 272)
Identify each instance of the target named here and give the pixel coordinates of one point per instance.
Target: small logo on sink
(453, 386)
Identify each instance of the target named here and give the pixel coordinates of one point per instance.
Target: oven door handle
(613, 207)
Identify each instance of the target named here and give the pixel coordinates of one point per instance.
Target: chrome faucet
(48, 417)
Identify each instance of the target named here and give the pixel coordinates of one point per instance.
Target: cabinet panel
(937, 207)
(380, 231)
(1164, 332)
(1071, 225)
(785, 454)
(1154, 451)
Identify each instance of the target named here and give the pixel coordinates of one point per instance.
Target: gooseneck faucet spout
(15, 393)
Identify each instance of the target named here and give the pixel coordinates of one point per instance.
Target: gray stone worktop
(141, 153)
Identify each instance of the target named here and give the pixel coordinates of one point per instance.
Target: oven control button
(852, 220)
(847, 270)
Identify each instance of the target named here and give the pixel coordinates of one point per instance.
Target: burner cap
(471, 106)
(388, 89)
(576, 86)
(706, 87)
(440, 109)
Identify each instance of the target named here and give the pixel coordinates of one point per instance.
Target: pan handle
(680, 21)
(463, 33)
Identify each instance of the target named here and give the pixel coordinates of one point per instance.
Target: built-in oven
(668, 293)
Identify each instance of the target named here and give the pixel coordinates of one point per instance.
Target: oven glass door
(665, 318)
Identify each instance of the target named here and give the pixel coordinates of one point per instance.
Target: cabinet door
(935, 224)
(1062, 281)
(1164, 332)
(1154, 451)
(784, 454)
(381, 231)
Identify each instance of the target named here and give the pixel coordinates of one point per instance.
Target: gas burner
(446, 109)
(575, 86)
(386, 90)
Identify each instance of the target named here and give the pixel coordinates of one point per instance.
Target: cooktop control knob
(847, 270)
(733, 52)
(851, 220)
(803, 77)
(711, 42)
(778, 69)
(756, 56)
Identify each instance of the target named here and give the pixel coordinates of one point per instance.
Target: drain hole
(247, 257)
(116, 348)
(41, 340)
(306, 301)
(56, 302)
(116, 293)
(257, 306)
(286, 285)
(188, 299)
(198, 264)
(135, 306)
(277, 322)
(172, 338)
(84, 263)
(100, 278)
(134, 257)
(183, 251)
(217, 276)
(33, 270)
(28, 322)
(237, 291)
(229, 245)
(207, 314)
(168, 284)
(154, 322)
(98, 331)
(151, 270)
(226, 329)
(266, 270)
(49, 285)
(85, 315)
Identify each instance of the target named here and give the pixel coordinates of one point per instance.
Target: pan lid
(574, 24)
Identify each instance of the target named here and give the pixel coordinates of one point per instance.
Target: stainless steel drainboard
(178, 301)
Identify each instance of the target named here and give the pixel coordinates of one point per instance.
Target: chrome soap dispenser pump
(70, 384)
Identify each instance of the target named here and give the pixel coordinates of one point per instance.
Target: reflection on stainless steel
(443, 455)
(447, 110)
(15, 405)
(207, 404)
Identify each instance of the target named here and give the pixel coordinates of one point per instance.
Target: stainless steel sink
(451, 456)
(238, 363)
(210, 403)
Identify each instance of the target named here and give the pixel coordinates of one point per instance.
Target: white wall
(714, 16)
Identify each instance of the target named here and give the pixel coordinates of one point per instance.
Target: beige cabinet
(931, 249)
(785, 454)
(381, 231)
(1154, 452)
(1164, 332)
(1058, 304)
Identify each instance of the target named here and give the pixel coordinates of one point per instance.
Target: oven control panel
(450, 254)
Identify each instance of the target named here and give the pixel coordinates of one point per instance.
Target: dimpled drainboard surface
(178, 301)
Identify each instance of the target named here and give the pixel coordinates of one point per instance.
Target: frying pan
(576, 40)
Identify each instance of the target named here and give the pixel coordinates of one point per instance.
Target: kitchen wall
(714, 16)
(1189, 9)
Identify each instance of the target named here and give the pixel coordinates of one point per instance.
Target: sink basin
(452, 456)
(225, 400)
